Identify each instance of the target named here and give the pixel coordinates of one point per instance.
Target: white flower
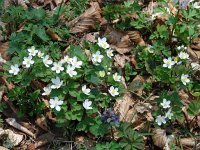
(113, 91)
(57, 67)
(179, 48)
(160, 119)
(108, 73)
(55, 103)
(85, 90)
(47, 61)
(168, 62)
(32, 51)
(47, 90)
(184, 79)
(176, 60)
(117, 77)
(75, 63)
(14, 69)
(87, 104)
(66, 59)
(196, 5)
(40, 54)
(102, 74)
(165, 104)
(97, 57)
(70, 71)
(169, 114)
(102, 43)
(109, 53)
(195, 66)
(57, 83)
(183, 55)
(28, 61)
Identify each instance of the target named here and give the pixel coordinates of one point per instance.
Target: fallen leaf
(3, 50)
(7, 3)
(143, 107)
(9, 138)
(118, 40)
(161, 140)
(87, 20)
(53, 35)
(3, 148)
(41, 122)
(120, 60)
(124, 107)
(196, 44)
(188, 142)
(13, 123)
(195, 55)
(136, 37)
(91, 37)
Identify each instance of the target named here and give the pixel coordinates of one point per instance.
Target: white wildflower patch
(55, 103)
(71, 71)
(32, 51)
(75, 63)
(40, 54)
(14, 69)
(165, 104)
(56, 83)
(183, 55)
(47, 61)
(169, 114)
(185, 79)
(113, 91)
(117, 77)
(47, 90)
(160, 120)
(28, 61)
(109, 53)
(85, 90)
(97, 57)
(57, 67)
(168, 63)
(103, 43)
(87, 104)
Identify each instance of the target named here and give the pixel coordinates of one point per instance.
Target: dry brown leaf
(161, 140)
(187, 142)
(143, 107)
(3, 148)
(10, 104)
(172, 9)
(196, 44)
(50, 116)
(91, 37)
(53, 35)
(118, 40)
(136, 37)
(41, 122)
(10, 85)
(12, 139)
(195, 55)
(1, 92)
(87, 20)
(13, 123)
(3, 50)
(120, 60)
(7, 3)
(124, 107)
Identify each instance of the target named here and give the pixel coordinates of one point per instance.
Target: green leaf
(194, 108)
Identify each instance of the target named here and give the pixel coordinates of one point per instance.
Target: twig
(13, 123)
